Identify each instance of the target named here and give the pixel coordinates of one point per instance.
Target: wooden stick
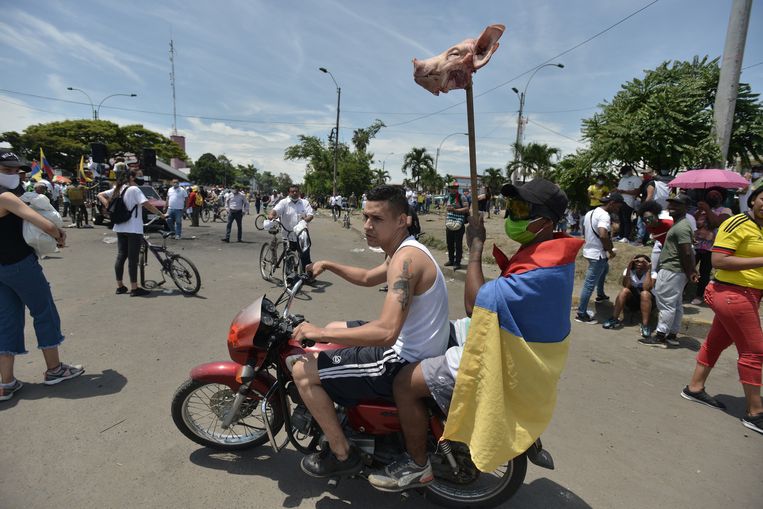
(472, 148)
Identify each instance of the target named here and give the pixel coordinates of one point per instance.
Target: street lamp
(437, 154)
(336, 135)
(96, 111)
(384, 161)
(520, 122)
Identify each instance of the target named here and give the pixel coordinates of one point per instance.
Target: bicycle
(271, 260)
(181, 270)
(346, 219)
(213, 211)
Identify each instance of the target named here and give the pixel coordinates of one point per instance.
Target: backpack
(199, 200)
(118, 211)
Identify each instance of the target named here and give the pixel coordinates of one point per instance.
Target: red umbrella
(702, 179)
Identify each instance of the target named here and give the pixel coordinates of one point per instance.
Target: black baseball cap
(681, 198)
(11, 160)
(548, 199)
(615, 197)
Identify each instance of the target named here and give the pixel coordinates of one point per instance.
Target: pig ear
(487, 44)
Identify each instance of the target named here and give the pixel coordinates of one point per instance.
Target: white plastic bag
(41, 242)
(303, 236)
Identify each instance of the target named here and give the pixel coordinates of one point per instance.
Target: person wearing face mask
(709, 215)
(519, 323)
(175, 205)
(236, 204)
(291, 211)
(744, 194)
(130, 232)
(23, 285)
(596, 191)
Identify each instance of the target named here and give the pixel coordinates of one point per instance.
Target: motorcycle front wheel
(198, 409)
(472, 488)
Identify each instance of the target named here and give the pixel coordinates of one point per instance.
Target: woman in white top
(129, 233)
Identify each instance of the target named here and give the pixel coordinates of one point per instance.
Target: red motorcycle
(245, 403)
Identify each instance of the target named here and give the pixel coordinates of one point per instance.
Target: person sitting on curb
(638, 281)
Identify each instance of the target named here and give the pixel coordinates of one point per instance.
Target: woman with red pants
(734, 295)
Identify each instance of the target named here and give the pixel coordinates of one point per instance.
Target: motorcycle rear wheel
(489, 489)
(198, 409)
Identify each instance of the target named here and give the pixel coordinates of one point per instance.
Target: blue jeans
(23, 284)
(594, 278)
(175, 221)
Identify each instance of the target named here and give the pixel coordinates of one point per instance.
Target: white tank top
(425, 331)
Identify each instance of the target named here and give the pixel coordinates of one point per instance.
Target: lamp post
(336, 134)
(437, 154)
(96, 111)
(520, 121)
(384, 161)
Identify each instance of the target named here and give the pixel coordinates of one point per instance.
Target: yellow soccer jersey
(740, 236)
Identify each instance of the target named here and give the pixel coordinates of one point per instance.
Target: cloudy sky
(248, 82)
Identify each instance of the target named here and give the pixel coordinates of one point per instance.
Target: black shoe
(139, 292)
(239, 240)
(602, 298)
(326, 464)
(754, 422)
(121, 290)
(584, 318)
(702, 397)
(672, 340)
(657, 341)
(457, 266)
(448, 263)
(225, 240)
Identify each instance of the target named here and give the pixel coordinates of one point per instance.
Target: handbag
(454, 224)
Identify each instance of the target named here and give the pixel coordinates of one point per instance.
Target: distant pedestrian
(636, 294)
(675, 268)
(23, 285)
(656, 227)
(236, 204)
(457, 211)
(709, 215)
(598, 251)
(76, 196)
(630, 187)
(596, 191)
(174, 208)
(291, 211)
(734, 295)
(195, 203)
(257, 202)
(66, 202)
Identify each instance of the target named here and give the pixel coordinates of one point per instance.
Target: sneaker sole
(751, 426)
(590, 322)
(411, 486)
(653, 345)
(9, 396)
(338, 473)
(696, 400)
(62, 379)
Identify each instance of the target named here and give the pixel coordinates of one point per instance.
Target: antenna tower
(172, 84)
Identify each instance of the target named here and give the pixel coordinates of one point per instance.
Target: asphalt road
(621, 435)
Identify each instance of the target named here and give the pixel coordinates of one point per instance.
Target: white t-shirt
(133, 197)
(290, 213)
(176, 198)
(597, 218)
(629, 183)
(636, 281)
(454, 353)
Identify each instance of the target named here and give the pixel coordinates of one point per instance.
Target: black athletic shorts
(359, 373)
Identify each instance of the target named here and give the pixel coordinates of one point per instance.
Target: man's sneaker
(602, 298)
(646, 331)
(402, 475)
(697, 301)
(624, 241)
(121, 290)
(612, 323)
(585, 318)
(61, 373)
(448, 263)
(754, 422)
(8, 390)
(702, 397)
(658, 341)
(139, 292)
(326, 464)
(672, 340)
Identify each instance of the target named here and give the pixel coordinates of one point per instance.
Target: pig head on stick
(453, 68)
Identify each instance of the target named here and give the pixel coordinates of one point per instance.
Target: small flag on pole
(45, 165)
(82, 174)
(36, 172)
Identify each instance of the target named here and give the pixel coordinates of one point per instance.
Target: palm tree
(380, 177)
(533, 159)
(419, 162)
(494, 179)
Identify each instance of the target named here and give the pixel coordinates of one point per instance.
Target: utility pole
(172, 84)
(731, 67)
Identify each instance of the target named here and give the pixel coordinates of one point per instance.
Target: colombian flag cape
(514, 354)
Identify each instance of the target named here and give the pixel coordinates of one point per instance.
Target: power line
(552, 131)
(602, 32)
(753, 65)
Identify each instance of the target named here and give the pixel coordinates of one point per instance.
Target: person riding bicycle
(412, 325)
(498, 385)
(291, 211)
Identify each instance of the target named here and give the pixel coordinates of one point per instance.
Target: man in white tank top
(412, 325)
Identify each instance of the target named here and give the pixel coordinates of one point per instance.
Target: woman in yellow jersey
(734, 295)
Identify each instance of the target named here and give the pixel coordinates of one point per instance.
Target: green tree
(418, 162)
(665, 120)
(247, 173)
(64, 142)
(574, 173)
(533, 160)
(380, 177)
(205, 170)
(494, 179)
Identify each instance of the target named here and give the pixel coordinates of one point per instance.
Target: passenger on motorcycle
(291, 211)
(532, 213)
(412, 325)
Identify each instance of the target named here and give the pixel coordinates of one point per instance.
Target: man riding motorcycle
(412, 326)
(541, 270)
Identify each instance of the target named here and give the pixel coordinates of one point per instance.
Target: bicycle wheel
(267, 262)
(223, 215)
(292, 268)
(185, 275)
(259, 221)
(206, 214)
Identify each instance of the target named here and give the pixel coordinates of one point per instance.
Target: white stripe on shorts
(375, 368)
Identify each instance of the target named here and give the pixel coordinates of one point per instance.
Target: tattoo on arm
(402, 285)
